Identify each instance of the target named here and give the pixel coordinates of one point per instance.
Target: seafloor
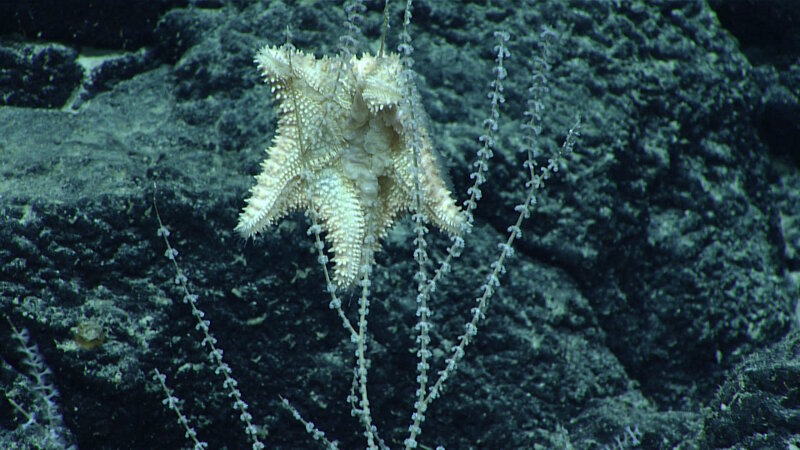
(652, 301)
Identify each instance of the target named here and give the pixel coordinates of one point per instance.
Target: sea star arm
(336, 200)
(438, 205)
(276, 191)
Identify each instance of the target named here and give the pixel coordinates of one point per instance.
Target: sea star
(345, 150)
